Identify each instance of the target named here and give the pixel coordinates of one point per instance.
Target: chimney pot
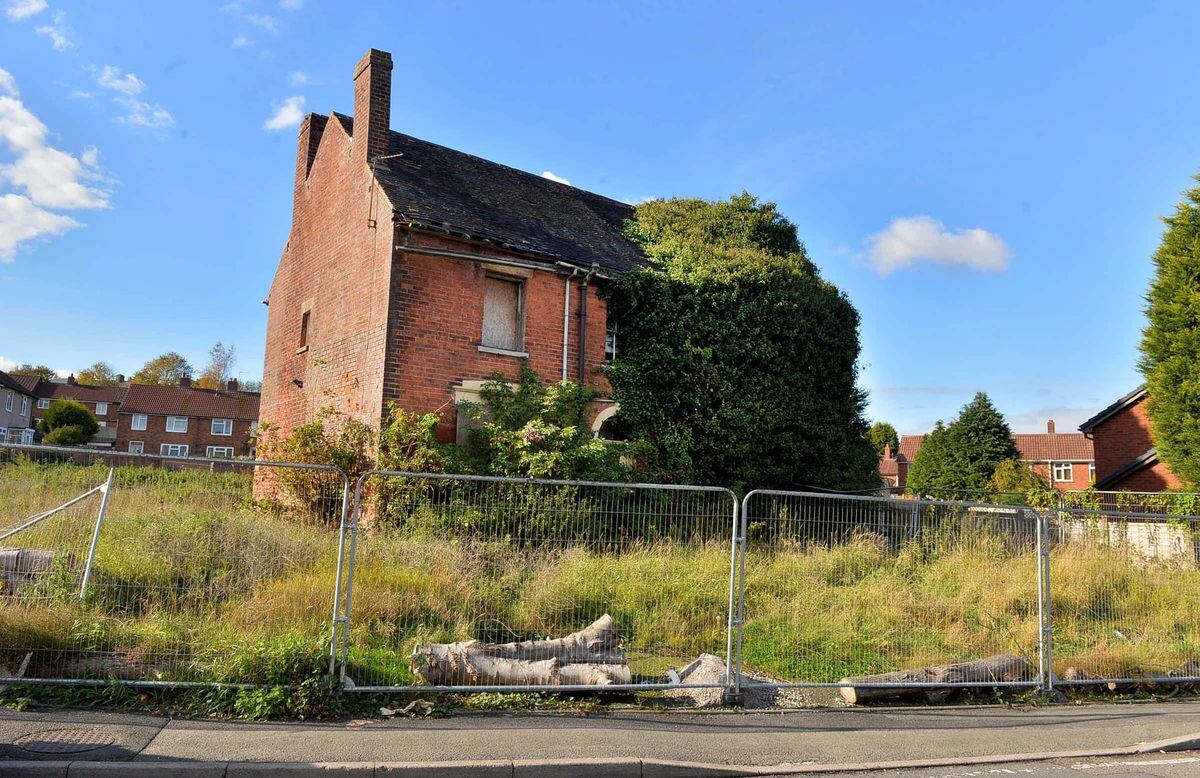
(71, 380)
(120, 378)
(231, 385)
(1050, 426)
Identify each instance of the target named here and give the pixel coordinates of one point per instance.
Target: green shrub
(67, 423)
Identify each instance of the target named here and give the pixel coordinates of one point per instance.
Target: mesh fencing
(436, 560)
(842, 586)
(202, 571)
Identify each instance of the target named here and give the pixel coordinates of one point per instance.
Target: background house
(1126, 459)
(16, 411)
(1065, 459)
(103, 401)
(181, 421)
(413, 272)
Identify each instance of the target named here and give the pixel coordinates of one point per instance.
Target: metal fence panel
(437, 559)
(841, 586)
(205, 570)
(1125, 593)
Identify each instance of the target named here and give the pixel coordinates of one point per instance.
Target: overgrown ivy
(737, 363)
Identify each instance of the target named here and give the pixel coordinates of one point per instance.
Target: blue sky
(985, 180)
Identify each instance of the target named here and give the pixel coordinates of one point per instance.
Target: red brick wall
(338, 265)
(1120, 439)
(197, 438)
(435, 326)
(1080, 475)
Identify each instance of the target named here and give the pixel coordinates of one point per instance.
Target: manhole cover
(64, 741)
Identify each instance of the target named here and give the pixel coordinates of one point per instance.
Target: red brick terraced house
(1065, 459)
(179, 421)
(413, 272)
(1126, 459)
(103, 401)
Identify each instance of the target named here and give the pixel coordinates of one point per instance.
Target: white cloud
(51, 178)
(112, 77)
(912, 239)
(548, 174)
(8, 84)
(22, 9)
(144, 114)
(262, 21)
(58, 33)
(291, 5)
(299, 78)
(80, 94)
(241, 42)
(287, 114)
(8, 365)
(21, 221)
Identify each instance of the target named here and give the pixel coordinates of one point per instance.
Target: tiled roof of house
(1132, 398)
(1034, 447)
(53, 390)
(437, 188)
(888, 466)
(13, 382)
(200, 403)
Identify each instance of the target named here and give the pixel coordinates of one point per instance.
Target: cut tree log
(19, 566)
(978, 673)
(590, 657)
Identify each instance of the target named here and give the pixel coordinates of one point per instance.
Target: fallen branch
(977, 673)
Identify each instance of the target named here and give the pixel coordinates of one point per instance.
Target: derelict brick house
(414, 272)
(1126, 459)
(1065, 459)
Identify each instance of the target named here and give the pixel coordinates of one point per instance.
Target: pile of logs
(592, 656)
(22, 566)
(979, 673)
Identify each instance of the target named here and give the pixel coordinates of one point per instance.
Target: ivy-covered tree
(883, 437)
(738, 363)
(67, 423)
(966, 453)
(1171, 342)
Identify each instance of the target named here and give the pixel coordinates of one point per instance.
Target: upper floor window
(1092, 472)
(222, 426)
(610, 342)
(24, 406)
(177, 423)
(1063, 472)
(138, 422)
(101, 409)
(503, 314)
(8, 401)
(43, 403)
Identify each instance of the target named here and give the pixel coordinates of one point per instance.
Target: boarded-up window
(502, 314)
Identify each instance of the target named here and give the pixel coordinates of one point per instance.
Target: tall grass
(194, 580)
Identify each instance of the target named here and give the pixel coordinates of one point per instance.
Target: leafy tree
(67, 423)
(965, 454)
(41, 371)
(738, 362)
(1017, 483)
(251, 385)
(97, 374)
(164, 370)
(1171, 342)
(882, 436)
(219, 369)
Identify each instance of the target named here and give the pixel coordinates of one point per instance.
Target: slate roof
(198, 403)
(1034, 446)
(1132, 398)
(12, 382)
(440, 189)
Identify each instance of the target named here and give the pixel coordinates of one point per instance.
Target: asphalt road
(1177, 765)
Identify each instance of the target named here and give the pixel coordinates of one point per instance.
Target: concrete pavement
(634, 743)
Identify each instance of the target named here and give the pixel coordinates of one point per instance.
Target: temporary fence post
(352, 528)
(733, 635)
(106, 490)
(1047, 614)
(337, 621)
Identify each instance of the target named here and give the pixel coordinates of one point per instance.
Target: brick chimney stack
(887, 450)
(1050, 426)
(231, 385)
(372, 105)
(311, 129)
(71, 380)
(185, 382)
